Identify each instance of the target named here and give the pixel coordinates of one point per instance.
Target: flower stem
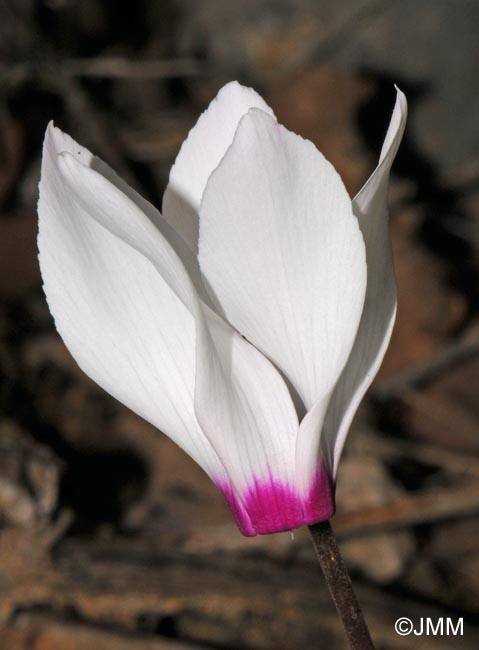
(340, 586)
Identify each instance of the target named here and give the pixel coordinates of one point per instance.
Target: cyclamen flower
(247, 321)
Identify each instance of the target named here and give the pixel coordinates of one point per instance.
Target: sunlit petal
(370, 207)
(200, 154)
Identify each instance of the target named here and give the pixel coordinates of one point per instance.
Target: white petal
(68, 145)
(114, 261)
(282, 252)
(370, 206)
(245, 408)
(118, 317)
(200, 154)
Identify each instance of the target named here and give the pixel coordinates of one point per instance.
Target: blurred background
(110, 537)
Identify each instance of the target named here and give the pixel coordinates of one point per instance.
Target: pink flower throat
(271, 506)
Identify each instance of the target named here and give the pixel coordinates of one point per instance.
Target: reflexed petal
(370, 207)
(282, 252)
(130, 315)
(68, 145)
(118, 317)
(200, 154)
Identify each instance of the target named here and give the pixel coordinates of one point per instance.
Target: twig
(431, 507)
(387, 449)
(420, 374)
(120, 68)
(102, 67)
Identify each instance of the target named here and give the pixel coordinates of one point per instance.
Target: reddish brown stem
(340, 586)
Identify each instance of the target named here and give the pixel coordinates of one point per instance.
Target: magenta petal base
(271, 506)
